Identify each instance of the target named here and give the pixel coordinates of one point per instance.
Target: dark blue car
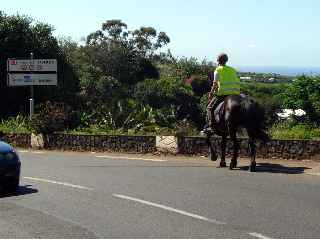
(9, 168)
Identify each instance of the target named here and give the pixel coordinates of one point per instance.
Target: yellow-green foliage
(18, 124)
(299, 131)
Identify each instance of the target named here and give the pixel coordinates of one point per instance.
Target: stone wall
(114, 143)
(18, 140)
(281, 149)
(275, 149)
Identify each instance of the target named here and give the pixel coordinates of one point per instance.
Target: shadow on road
(22, 190)
(180, 167)
(261, 167)
(276, 168)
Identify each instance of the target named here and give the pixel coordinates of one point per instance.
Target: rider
(225, 83)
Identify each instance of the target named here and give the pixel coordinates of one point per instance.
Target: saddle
(218, 113)
(218, 124)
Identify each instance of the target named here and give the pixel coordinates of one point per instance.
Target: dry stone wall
(274, 149)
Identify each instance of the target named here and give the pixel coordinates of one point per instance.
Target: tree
(170, 93)
(269, 96)
(124, 55)
(304, 93)
(113, 60)
(19, 36)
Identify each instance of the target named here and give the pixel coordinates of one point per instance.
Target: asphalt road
(87, 195)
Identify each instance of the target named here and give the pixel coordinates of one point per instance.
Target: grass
(298, 131)
(17, 125)
(94, 130)
(284, 130)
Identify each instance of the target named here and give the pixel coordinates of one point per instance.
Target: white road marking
(28, 151)
(314, 174)
(130, 158)
(59, 183)
(38, 152)
(169, 209)
(258, 235)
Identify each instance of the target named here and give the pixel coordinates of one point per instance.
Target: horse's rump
(240, 111)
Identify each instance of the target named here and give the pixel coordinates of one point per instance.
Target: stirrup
(208, 130)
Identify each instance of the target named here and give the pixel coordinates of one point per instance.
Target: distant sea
(282, 70)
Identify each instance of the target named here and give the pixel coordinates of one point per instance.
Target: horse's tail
(262, 135)
(254, 119)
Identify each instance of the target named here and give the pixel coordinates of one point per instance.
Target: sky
(251, 32)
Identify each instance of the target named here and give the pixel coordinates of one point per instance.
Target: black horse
(237, 111)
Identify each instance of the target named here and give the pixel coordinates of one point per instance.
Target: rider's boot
(208, 127)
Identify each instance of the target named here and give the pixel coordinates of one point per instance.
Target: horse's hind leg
(222, 163)
(212, 152)
(233, 163)
(252, 151)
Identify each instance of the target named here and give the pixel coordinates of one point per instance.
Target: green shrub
(288, 130)
(94, 130)
(304, 94)
(186, 128)
(19, 124)
(53, 117)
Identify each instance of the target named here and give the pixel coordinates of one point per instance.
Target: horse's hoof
(212, 157)
(222, 165)
(233, 164)
(253, 168)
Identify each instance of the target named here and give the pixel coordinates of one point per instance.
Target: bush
(19, 124)
(289, 130)
(53, 117)
(304, 94)
(161, 93)
(268, 96)
(186, 128)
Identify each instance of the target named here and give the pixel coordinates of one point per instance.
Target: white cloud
(252, 45)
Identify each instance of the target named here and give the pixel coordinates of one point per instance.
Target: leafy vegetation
(267, 95)
(52, 117)
(304, 93)
(19, 36)
(119, 82)
(294, 131)
(19, 124)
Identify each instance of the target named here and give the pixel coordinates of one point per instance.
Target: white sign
(32, 65)
(32, 79)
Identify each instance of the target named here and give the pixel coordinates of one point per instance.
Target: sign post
(31, 72)
(31, 88)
